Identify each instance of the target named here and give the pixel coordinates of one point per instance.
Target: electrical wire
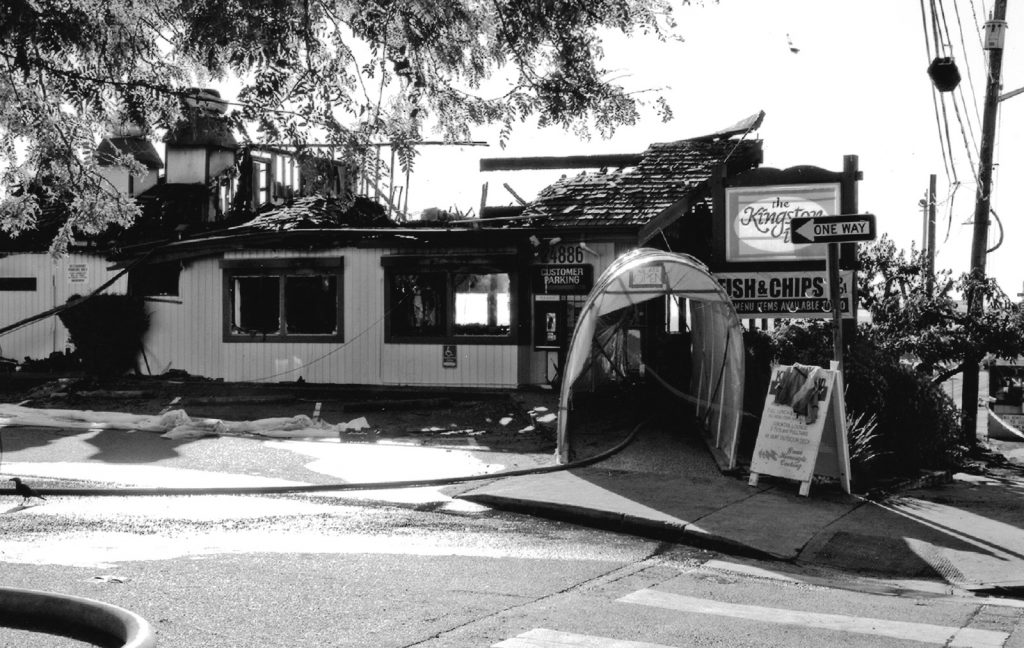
(949, 210)
(341, 346)
(977, 23)
(1001, 233)
(950, 175)
(924, 26)
(970, 77)
(968, 148)
(947, 140)
(967, 144)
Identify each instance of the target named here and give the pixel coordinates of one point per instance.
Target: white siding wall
(56, 280)
(186, 165)
(119, 178)
(146, 182)
(115, 176)
(220, 160)
(189, 336)
(490, 365)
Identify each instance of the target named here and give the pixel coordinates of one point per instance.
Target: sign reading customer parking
(562, 279)
(800, 295)
(758, 220)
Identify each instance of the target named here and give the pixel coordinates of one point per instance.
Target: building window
(418, 300)
(17, 284)
(441, 299)
(261, 182)
(483, 304)
(283, 300)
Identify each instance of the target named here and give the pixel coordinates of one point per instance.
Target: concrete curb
(74, 616)
(927, 479)
(682, 533)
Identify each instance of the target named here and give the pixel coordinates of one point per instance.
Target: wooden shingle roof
(139, 148)
(666, 174)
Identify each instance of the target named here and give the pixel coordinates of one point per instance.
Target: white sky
(857, 86)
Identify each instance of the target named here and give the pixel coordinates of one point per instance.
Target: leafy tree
(345, 72)
(935, 329)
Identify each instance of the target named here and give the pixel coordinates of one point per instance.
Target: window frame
(281, 269)
(451, 266)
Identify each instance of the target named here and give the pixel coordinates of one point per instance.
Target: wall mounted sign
(562, 279)
(758, 220)
(793, 295)
(78, 274)
(450, 356)
(563, 254)
(649, 276)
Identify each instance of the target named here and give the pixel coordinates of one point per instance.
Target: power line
(935, 103)
(940, 19)
(944, 126)
(970, 77)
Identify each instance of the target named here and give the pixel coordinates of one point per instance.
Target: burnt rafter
(613, 160)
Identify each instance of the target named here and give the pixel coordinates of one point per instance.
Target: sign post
(833, 230)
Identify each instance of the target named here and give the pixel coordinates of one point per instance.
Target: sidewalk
(968, 532)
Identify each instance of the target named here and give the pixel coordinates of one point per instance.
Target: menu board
(802, 407)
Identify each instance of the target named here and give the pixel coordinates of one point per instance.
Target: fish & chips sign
(759, 220)
(802, 294)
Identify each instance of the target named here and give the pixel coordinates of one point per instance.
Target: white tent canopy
(716, 383)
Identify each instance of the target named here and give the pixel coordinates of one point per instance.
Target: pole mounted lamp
(944, 74)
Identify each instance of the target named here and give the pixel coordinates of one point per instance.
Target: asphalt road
(299, 571)
(411, 567)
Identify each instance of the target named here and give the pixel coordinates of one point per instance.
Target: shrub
(921, 426)
(107, 331)
(866, 457)
(899, 421)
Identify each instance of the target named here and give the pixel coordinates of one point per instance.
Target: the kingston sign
(759, 220)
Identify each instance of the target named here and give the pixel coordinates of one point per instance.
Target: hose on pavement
(123, 491)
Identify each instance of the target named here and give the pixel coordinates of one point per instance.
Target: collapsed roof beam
(614, 160)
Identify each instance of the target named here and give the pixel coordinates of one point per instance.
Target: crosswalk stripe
(946, 635)
(542, 638)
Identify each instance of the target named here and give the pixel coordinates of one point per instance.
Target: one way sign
(833, 229)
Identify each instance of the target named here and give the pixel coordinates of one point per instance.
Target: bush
(901, 422)
(107, 331)
(921, 426)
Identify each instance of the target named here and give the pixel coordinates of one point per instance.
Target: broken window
(445, 298)
(310, 304)
(280, 300)
(255, 305)
(418, 304)
(154, 279)
(482, 304)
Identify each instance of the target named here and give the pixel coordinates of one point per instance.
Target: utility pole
(930, 278)
(979, 244)
(929, 239)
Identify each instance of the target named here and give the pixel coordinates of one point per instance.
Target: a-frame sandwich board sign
(809, 439)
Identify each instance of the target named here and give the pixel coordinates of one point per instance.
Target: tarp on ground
(716, 382)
